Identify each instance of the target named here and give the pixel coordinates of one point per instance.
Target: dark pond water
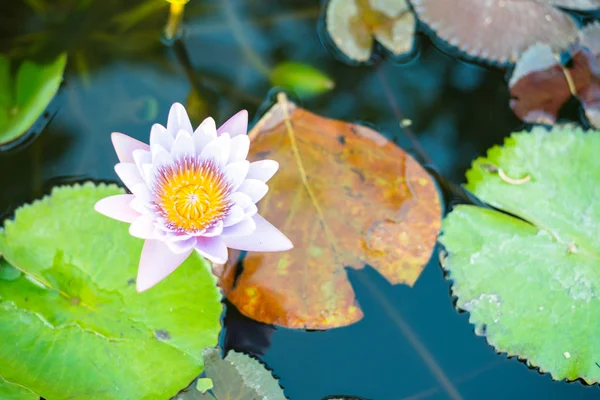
(412, 344)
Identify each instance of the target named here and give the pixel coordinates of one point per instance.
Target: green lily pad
(7, 271)
(10, 391)
(237, 377)
(531, 281)
(73, 325)
(24, 98)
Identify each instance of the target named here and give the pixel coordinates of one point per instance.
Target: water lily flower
(191, 190)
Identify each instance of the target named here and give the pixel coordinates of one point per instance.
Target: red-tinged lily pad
(499, 31)
(540, 85)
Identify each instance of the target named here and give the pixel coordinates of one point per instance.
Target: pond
(442, 107)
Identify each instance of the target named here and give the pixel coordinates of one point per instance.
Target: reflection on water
(121, 77)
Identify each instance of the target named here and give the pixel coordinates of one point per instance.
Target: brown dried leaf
(346, 197)
(352, 25)
(498, 30)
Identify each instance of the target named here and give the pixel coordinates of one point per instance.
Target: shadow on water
(411, 343)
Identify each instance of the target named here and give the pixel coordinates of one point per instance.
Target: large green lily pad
(10, 391)
(24, 98)
(73, 326)
(531, 281)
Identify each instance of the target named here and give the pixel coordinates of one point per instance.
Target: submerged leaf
(540, 85)
(303, 79)
(24, 101)
(498, 31)
(352, 25)
(76, 305)
(346, 197)
(239, 377)
(531, 282)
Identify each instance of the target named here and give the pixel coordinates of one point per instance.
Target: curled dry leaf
(346, 197)
(353, 24)
(499, 30)
(540, 85)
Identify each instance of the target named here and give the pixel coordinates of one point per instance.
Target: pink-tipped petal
(178, 120)
(183, 146)
(242, 228)
(160, 136)
(125, 146)
(236, 173)
(142, 227)
(236, 214)
(156, 263)
(236, 125)
(129, 174)
(254, 188)
(265, 238)
(182, 246)
(262, 170)
(212, 248)
(117, 207)
(239, 148)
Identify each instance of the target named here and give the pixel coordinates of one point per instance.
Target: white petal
(236, 173)
(161, 157)
(141, 207)
(207, 130)
(236, 214)
(125, 146)
(160, 136)
(178, 120)
(262, 170)
(142, 227)
(214, 230)
(241, 199)
(129, 174)
(239, 148)
(265, 238)
(141, 157)
(251, 210)
(142, 192)
(182, 246)
(254, 188)
(183, 146)
(236, 125)
(117, 207)
(149, 172)
(242, 228)
(156, 263)
(217, 150)
(212, 248)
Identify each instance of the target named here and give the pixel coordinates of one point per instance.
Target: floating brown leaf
(353, 24)
(346, 197)
(499, 30)
(540, 85)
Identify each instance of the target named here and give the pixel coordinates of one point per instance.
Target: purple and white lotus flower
(191, 190)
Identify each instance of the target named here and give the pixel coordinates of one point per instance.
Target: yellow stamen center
(192, 195)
